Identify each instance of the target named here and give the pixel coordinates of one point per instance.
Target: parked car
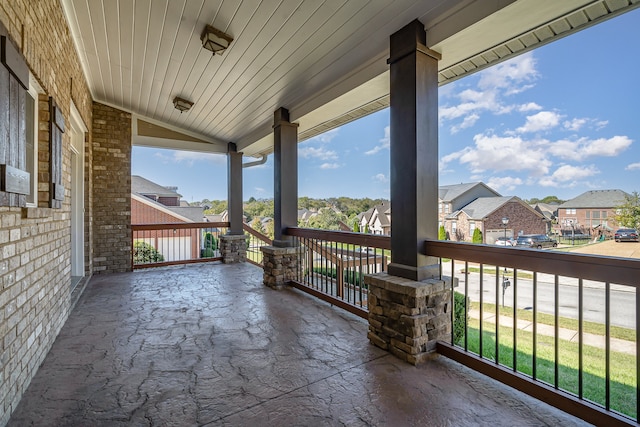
(536, 241)
(626, 234)
(505, 241)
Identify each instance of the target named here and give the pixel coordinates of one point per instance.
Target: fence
(155, 245)
(333, 265)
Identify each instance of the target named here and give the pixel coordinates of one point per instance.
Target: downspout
(262, 161)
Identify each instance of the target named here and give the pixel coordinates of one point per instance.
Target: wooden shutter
(56, 129)
(14, 80)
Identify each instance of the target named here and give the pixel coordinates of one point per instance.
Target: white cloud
(381, 178)
(260, 190)
(584, 148)
(606, 147)
(494, 85)
(530, 106)
(329, 166)
(568, 175)
(506, 183)
(328, 136)
(191, 157)
(384, 142)
(633, 167)
(544, 120)
(318, 153)
(498, 153)
(575, 124)
(510, 74)
(466, 123)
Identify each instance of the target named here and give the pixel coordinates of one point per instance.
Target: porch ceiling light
(215, 40)
(182, 104)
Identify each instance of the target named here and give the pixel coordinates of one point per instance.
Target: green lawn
(623, 366)
(564, 322)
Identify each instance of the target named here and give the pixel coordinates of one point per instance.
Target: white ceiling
(323, 60)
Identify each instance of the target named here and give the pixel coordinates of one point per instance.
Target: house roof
(603, 199)
(191, 214)
(448, 193)
(143, 186)
(483, 206)
(326, 62)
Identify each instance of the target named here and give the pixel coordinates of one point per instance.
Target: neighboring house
(550, 212)
(465, 207)
(452, 198)
(376, 220)
(154, 204)
(590, 212)
(486, 214)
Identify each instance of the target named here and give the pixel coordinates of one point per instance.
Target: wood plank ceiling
(324, 60)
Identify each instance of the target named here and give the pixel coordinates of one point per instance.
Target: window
(570, 211)
(32, 141)
(588, 214)
(446, 208)
(595, 215)
(454, 227)
(440, 207)
(472, 227)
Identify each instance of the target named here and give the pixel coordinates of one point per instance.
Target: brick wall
(35, 266)
(111, 169)
(145, 214)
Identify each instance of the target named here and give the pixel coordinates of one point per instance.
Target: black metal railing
(333, 265)
(256, 241)
(562, 327)
(156, 245)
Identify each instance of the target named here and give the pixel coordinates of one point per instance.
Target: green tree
(442, 234)
(548, 199)
(628, 213)
(356, 226)
(144, 253)
(327, 219)
(217, 206)
(256, 224)
(269, 229)
(477, 236)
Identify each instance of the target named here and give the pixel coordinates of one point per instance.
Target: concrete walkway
(209, 345)
(593, 340)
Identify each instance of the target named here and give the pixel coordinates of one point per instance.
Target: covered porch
(209, 344)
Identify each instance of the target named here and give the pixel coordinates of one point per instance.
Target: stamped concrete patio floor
(210, 345)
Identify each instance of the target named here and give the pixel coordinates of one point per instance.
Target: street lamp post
(505, 280)
(505, 222)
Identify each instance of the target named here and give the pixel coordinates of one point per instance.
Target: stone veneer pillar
(407, 317)
(233, 248)
(280, 265)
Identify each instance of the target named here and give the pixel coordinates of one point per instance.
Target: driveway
(611, 248)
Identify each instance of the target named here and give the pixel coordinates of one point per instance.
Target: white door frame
(77, 131)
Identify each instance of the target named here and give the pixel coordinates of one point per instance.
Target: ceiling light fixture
(215, 40)
(182, 105)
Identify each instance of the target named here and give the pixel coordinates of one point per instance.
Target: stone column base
(233, 248)
(280, 265)
(406, 317)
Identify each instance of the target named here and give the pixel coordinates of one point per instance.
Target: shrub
(207, 253)
(210, 242)
(442, 234)
(477, 236)
(459, 316)
(144, 253)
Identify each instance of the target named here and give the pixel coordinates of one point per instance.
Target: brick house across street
(154, 204)
(486, 214)
(590, 213)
